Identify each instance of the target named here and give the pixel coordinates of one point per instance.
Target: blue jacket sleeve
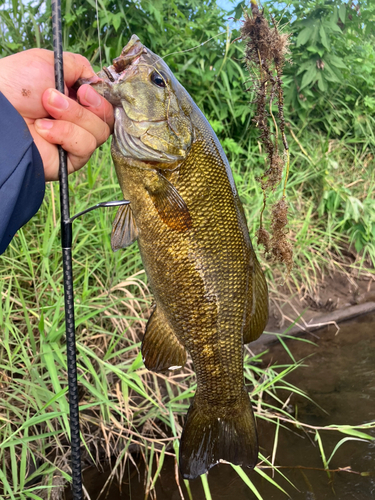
(22, 182)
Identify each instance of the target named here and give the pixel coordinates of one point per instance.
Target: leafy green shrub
(330, 85)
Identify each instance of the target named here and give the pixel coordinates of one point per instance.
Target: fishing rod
(66, 243)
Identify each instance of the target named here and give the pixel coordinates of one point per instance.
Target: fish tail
(211, 436)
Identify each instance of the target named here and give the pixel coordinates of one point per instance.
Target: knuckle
(92, 146)
(79, 113)
(80, 59)
(104, 134)
(70, 130)
(88, 146)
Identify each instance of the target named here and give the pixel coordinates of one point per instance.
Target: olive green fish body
(209, 290)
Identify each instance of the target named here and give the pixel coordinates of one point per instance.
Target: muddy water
(340, 378)
(339, 375)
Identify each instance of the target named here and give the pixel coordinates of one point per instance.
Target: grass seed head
(263, 238)
(264, 45)
(273, 175)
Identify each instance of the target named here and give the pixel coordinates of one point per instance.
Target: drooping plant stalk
(265, 53)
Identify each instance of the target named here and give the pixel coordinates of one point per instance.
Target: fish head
(152, 109)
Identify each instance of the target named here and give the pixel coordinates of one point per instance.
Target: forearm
(22, 182)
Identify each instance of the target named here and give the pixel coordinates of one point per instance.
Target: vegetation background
(329, 109)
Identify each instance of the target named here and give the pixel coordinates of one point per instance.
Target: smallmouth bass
(210, 292)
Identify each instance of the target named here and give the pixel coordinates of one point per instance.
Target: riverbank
(337, 298)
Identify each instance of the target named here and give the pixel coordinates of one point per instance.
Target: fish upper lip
(117, 77)
(114, 77)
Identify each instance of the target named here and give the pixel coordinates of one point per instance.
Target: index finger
(95, 103)
(75, 67)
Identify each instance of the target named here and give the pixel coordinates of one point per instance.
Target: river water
(339, 376)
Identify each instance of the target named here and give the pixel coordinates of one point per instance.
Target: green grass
(123, 406)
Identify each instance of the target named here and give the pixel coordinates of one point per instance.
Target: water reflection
(340, 378)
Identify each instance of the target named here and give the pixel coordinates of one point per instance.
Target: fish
(209, 289)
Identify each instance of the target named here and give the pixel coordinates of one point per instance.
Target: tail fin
(208, 438)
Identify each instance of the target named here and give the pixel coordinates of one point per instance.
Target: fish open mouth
(130, 56)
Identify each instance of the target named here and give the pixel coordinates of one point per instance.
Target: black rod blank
(66, 242)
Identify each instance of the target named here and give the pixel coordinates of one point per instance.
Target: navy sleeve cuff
(22, 182)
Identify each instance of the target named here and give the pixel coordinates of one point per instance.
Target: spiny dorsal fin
(161, 350)
(124, 229)
(171, 208)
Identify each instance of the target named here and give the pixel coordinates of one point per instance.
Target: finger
(95, 103)
(77, 142)
(48, 153)
(50, 156)
(75, 67)
(62, 108)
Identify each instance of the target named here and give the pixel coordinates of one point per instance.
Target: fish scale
(209, 289)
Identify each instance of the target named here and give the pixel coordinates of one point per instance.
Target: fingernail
(44, 124)
(92, 98)
(57, 100)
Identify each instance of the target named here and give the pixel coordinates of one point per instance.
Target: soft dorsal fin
(171, 208)
(124, 229)
(161, 349)
(257, 311)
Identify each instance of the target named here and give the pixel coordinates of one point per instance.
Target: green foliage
(120, 401)
(174, 27)
(330, 85)
(331, 82)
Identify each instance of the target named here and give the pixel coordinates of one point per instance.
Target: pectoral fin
(257, 312)
(161, 350)
(170, 206)
(124, 229)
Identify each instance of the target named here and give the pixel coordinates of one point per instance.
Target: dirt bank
(336, 298)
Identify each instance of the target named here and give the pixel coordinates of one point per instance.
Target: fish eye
(159, 79)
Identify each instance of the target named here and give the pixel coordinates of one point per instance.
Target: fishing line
(98, 29)
(193, 48)
(99, 44)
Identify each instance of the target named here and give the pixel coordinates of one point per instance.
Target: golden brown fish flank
(209, 289)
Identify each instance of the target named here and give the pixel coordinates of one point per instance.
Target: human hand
(27, 80)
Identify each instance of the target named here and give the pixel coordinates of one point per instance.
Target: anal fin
(124, 229)
(161, 350)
